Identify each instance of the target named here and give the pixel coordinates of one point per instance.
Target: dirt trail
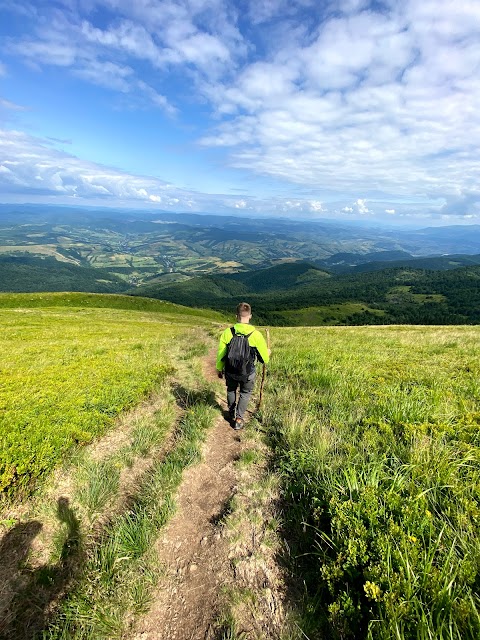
(192, 549)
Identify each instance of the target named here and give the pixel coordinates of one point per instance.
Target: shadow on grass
(28, 595)
(306, 599)
(187, 398)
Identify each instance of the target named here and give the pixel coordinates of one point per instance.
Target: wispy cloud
(11, 106)
(32, 165)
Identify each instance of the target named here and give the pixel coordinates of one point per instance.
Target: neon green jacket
(256, 340)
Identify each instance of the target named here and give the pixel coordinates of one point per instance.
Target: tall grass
(376, 432)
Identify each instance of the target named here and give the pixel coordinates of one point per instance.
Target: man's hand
(220, 374)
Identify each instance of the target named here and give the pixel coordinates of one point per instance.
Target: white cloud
(362, 206)
(403, 123)
(315, 205)
(11, 106)
(107, 74)
(32, 165)
(358, 207)
(35, 168)
(348, 97)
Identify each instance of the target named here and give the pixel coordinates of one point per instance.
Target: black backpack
(240, 356)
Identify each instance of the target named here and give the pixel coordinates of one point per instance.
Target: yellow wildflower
(372, 591)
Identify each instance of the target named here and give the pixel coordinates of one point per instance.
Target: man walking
(239, 347)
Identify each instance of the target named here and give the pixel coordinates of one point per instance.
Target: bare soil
(193, 549)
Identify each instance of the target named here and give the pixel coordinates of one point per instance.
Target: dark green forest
(26, 274)
(403, 295)
(282, 295)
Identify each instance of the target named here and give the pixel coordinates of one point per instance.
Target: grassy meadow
(375, 432)
(70, 367)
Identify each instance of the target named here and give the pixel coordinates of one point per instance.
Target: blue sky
(300, 108)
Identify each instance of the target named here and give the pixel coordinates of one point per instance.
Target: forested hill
(294, 293)
(283, 294)
(26, 274)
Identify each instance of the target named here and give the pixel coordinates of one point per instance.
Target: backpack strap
(247, 335)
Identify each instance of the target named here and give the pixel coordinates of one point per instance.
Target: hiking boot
(231, 417)
(238, 424)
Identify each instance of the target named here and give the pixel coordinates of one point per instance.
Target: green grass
(67, 372)
(99, 300)
(97, 483)
(376, 433)
(331, 314)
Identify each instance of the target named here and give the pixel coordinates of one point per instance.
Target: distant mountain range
(294, 272)
(376, 261)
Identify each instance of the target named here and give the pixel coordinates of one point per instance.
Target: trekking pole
(263, 374)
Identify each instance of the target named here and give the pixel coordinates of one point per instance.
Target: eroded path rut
(192, 548)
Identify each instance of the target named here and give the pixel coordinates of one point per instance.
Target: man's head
(244, 312)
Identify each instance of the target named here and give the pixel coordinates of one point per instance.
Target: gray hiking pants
(246, 389)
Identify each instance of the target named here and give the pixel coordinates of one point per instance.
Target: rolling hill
(389, 296)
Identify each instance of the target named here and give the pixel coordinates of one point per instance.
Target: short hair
(243, 309)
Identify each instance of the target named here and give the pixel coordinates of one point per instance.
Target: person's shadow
(28, 597)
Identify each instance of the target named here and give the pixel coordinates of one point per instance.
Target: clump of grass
(248, 457)
(97, 483)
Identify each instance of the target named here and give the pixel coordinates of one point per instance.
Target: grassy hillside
(101, 301)
(136, 246)
(434, 263)
(376, 434)
(71, 363)
(377, 261)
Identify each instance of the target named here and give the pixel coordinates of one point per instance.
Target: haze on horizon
(346, 109)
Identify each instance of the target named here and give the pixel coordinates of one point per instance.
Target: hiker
(239, 347)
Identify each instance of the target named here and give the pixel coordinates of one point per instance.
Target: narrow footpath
(192, 549)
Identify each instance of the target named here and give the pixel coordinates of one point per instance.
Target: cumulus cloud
(316, 205)
(390, 211)
(465, 204)
(199, 36)
(383, 100)
(359, 207)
